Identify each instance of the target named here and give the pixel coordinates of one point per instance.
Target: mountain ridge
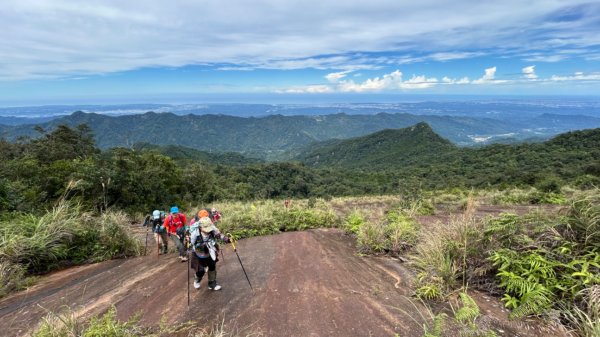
(273, 137)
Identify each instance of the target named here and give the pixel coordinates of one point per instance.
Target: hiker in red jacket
(175, 225)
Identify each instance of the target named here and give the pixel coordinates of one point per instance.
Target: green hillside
(35, 172)
(423, 155)
(383, 149)
(183, 154)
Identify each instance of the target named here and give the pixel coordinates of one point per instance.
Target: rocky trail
(310, 283)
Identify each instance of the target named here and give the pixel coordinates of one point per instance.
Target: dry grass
(442, 252)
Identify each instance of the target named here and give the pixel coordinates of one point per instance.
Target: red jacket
(172, 223)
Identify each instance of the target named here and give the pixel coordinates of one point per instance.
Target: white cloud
(391, 81)
(57, 38)
(447, 80)
(388, 82)
(529, 72)
(489, 74)
(310, 89)
(546, 58)
(334, 77)
(578, 76)
(489, 77)
(448, 56)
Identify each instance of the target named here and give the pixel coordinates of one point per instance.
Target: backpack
(156, 223)
(179, 230)
(171, 222)
(208, 246)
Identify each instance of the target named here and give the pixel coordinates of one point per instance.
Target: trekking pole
(238, 256)
(146, 245)
(188, 271)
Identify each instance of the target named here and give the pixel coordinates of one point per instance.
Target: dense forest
(37, 171)
(278, 137)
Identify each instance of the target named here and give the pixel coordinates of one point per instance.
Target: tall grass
(585, 318)
(68, 324)
(267, 217)
(447, 254)
(531, 196)
(397, 231)
(65, 235)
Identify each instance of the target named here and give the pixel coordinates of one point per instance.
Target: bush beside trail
(542, 264)
(268, 217)
(66, 235)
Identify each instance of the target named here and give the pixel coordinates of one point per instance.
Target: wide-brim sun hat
(206, 225)
(156, 214)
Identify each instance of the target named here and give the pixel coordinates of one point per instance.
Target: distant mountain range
(283, 137)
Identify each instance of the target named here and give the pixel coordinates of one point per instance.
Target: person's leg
(212, 275)
(199, 265)
(157, 239)
(179, 246)
(164, 242)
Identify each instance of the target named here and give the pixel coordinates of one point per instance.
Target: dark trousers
(198, 264)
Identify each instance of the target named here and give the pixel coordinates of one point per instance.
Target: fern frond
(534, 302)
(469, 311)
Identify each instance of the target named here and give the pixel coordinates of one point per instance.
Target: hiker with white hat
(160, 233)
(205, 251)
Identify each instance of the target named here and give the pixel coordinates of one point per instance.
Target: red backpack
(176, 225)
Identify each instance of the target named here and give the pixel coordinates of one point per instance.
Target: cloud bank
(59, 38)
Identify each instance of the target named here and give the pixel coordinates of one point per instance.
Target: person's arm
(194, 237)
(221, 236)
(166, 225)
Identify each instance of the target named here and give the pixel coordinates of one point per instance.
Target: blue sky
(131, 51)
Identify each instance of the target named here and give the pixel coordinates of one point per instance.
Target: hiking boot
(212, 281)
(197, 283)
(164, 249)
(214, 286)
(183, 258)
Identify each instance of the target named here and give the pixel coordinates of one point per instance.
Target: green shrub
(354, 222)
(547, 263)
(269, 217)
(371, 238)
(401, 231)
(429, 291)
(109, 326)
(531, 197)
(12, 277)
(583, 222)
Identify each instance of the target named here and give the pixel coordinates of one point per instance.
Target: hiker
(211, 213)
(160, 233)
(214, 215)
(175, 223)
(205, 251)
